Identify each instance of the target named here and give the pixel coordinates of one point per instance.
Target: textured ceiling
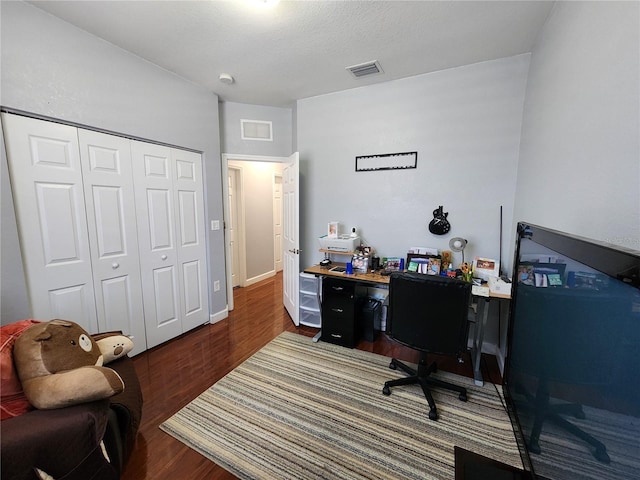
(300, 49)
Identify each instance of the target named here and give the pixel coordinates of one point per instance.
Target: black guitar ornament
(439, 225)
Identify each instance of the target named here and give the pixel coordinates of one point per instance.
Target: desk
(478, 333)
(372, 279)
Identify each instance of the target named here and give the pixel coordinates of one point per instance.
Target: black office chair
(427, 313)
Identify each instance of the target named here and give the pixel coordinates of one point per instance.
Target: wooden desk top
(371, 278)
(356, 277)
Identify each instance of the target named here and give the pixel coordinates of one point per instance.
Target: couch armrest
(127, 405)
(56, 441)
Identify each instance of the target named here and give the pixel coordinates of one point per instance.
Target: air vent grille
(256, 130)
(365, 69)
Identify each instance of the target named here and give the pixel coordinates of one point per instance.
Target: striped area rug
(303, 410)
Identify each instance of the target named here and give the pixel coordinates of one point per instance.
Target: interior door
(188, 187)
(152, 174)
(46, 179)
(277, 222)
(234, 224)
(291, 238)
(113, 237)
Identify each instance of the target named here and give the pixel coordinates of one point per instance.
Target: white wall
(231, 140)
(465, 125)
(51, 68)
(579, 168)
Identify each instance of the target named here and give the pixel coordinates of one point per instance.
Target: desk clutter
(360, 258)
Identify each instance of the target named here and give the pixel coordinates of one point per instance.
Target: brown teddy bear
(60, 364)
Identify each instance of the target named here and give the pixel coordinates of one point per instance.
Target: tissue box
(481, 291)
(340, 244)
(496, 285)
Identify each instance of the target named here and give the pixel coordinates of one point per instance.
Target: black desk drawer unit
(338, 312)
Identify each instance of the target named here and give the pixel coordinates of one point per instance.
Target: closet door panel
(47, 185)
(191, 247)
(112, 225)
(158, 255)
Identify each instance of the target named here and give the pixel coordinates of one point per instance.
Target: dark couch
(66, 442)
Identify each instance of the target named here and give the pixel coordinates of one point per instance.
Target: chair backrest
(428, 312)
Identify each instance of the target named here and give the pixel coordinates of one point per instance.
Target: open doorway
(253, 219)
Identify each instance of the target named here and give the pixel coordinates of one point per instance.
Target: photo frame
(421, 263)
(485, 267)
(333, 230)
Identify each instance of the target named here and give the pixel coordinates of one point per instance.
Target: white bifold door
(170, 209)
(111, 230)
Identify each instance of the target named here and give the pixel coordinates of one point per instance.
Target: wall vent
(256, 130)
(365, 69)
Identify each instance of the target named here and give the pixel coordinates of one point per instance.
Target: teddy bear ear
(60, 322)
(43, 336)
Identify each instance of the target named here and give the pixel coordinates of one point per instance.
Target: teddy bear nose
(118, 350)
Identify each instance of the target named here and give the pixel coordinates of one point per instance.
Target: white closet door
(157, 244)
(113, 237)
(190, 237)
(47, 185)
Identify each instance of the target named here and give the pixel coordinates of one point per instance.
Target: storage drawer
(308, 283)
(335, 287)
(341, 308)
(338, 333)
(309, 300)
(310, 317)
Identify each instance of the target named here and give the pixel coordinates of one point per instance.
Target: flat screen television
(572, 370)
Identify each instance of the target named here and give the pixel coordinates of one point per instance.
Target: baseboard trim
(221, 315)
(259, 278)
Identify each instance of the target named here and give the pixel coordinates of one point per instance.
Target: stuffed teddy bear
(60, 364)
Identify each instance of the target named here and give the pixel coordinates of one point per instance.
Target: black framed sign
(387, 161)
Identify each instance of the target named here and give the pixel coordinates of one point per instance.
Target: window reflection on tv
(572, 378)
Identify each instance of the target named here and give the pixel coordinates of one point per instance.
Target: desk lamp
(458, 244)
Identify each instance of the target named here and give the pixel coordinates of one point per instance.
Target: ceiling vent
(365, 69)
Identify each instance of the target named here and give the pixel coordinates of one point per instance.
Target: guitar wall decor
(439, 225)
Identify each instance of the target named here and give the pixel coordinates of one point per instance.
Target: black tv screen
(572, 373)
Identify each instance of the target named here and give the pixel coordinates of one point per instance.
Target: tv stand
(472, 466)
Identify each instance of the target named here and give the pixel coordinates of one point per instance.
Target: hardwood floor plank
(173, 374)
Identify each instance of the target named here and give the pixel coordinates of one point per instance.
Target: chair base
(422, 377)
(544, 410)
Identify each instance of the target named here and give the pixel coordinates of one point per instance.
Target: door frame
(226, 157)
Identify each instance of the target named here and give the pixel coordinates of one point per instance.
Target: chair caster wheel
(392, 366)
(433, 414)
(386, 390)
(462, 397)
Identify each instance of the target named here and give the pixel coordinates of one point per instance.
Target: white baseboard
(221, 315)
(259, 278)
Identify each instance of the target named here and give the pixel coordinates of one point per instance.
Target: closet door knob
(163, 257)
(115, 265)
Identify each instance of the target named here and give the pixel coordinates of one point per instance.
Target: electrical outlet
(216, 286)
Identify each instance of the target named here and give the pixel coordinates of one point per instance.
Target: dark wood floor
(174, 373)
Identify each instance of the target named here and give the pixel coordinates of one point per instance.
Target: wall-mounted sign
(387, 161)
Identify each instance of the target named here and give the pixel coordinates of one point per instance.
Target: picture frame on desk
(485, 267)
(333, 230)
(422, 263)
(391, 264)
